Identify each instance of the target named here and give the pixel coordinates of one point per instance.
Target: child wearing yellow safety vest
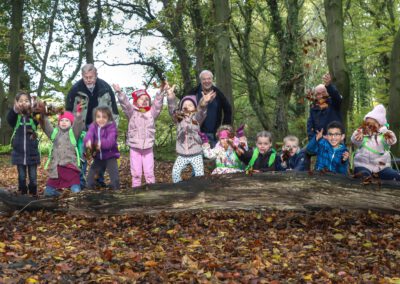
(261, 158)
(373, 141)
(63, 162)
(25, 145)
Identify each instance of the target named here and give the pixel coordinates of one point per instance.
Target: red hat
(136, 94)
(68, 115)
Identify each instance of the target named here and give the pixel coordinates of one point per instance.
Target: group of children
(232, 153)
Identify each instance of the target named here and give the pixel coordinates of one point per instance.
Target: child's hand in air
(209, 97)
(359, 135)
(319, 134)
(117, 88)
(345, 156)
(170, 91)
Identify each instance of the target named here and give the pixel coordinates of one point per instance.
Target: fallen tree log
(281, 191)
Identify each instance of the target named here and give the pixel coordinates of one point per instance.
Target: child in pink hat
(373, 140)
(142, 116)
(224, 154)
(63, 162)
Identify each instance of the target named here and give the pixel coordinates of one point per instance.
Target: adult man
(91, 92)
(215, 109)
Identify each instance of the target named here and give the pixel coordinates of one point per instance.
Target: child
(64, 160)
(188, 118)
(141, 131)
(332, 154)
(24, 142)
(291, 157)
(373, 141)
(101, 140)
(261, 158)
(226, 158)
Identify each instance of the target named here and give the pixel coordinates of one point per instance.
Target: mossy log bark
(281, 191)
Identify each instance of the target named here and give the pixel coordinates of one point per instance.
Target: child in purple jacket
(101, 140)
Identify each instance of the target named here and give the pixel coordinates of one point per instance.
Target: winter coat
(364, 157)
(107, 136)
(328, 158)
(320, 118)
(220, 105)
(101, 95)
(262, 161)
(188, 141)
(141, 127)
(25, 146)
(295, 162)
(64, 153)
(223, 158)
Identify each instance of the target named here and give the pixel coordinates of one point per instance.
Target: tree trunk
(222, 54)
(15, 46)
(281, 191)
(5, 129)
(90, 35)
(394, 94)
(47, 51)
(202, 36)
(336, 53)
(288, 38)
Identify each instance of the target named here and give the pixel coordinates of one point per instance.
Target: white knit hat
(378, 113)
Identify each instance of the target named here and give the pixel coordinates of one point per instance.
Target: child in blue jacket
(291, 157)
(332, 154)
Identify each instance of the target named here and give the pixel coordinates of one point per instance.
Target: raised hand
(327, 79)
(170, 91)
(359, 135)
(240, 131)
(209, 97)
(117, 88)
(89, 144)
(203, 137)
(319, 134)
(345, 156)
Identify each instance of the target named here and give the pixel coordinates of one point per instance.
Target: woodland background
(264, 54)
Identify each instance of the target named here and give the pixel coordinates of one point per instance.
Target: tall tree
(251, 62)
(394, 95)
(336, 53)
(288, 41)
(222, 55)
(91, 28)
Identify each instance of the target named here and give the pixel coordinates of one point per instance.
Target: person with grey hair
(91, 92)
(219, 110)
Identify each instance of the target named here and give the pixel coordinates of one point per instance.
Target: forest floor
(329, 246)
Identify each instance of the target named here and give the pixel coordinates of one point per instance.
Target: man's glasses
(334, 134)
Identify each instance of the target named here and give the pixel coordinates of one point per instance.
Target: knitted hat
(224, 134)
(68, 115)
(136, 94)
(191, 98)
(378, 113)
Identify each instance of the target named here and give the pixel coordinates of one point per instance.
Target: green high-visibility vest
(73, 142)
(254, 157)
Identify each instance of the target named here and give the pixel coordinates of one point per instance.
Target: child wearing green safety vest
(373, 141)
(25, 145)
(63, 163)
(262, 157)
(227, 161)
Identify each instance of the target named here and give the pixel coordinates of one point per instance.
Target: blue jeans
(385, 174)
(32, 173)
(51, 191)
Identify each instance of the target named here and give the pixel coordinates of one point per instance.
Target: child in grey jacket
(188, 117)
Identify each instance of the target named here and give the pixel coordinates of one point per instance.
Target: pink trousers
(142, 160)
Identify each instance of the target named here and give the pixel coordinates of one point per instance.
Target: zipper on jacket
(24, 140)
(99, 142)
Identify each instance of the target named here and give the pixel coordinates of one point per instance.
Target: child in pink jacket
(141, 131)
